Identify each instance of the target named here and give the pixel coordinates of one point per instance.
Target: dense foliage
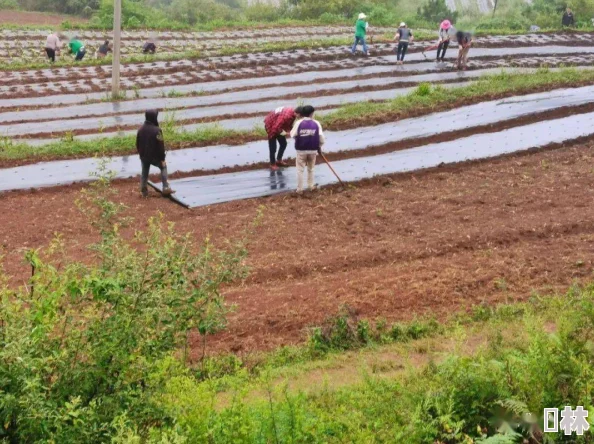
(84, 346)
(206, 14)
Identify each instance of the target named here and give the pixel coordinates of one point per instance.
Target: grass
(425, 99)
(484, 373)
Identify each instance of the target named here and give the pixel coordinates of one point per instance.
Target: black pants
(443, 46)
(402, 48)
(80, 55)
(282, 142)
(51, 54)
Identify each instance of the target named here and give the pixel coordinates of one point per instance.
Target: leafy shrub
(81, 345)
(434, 11)
(9, 4)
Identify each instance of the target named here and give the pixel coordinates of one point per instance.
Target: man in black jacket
(568, 19)
(151, 149)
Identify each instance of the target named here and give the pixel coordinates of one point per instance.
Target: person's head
(106, 43)
(445, 25)
(459, 35)
(362, 16)
(299, 111)
(402, 25)
(151, 116)
(568, 10)
(307, 111)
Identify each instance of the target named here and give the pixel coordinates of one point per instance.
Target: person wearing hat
(403, 37)
(360, 34)
(309, 139)
(443, 43)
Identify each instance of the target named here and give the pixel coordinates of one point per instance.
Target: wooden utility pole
(494, 8)
(117, 36)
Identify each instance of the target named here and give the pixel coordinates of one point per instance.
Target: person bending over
(464, 44)
(278, 124)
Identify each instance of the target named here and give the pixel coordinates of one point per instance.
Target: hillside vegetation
(208, 14)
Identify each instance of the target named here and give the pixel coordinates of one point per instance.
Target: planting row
(188, 72)
(219, 157)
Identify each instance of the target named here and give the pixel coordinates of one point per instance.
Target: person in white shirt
(52, 46)
(309, 139)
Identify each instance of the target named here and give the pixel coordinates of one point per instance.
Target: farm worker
(309, 139)
(151, 149)
(443, 42)
(360, 34)
(52, 46)
(149, 46)
(403, 37)
(277, 124)
(103, 50)
(77, 49)
(464, 44)
(568, 19)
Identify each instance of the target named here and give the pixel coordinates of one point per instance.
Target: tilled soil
(426, 243)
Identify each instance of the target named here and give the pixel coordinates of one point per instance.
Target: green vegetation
(425, 99)
(215, 14)
(99, 353)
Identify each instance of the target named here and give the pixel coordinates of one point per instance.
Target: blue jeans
(359, 40)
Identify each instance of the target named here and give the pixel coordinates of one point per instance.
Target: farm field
(466, 191)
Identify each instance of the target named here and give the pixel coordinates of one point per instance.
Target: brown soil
(36, 18)
(394, 247)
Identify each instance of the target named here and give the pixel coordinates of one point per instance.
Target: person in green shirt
(77, 48)
(360, 34)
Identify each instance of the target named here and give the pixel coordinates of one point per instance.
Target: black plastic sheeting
(221, 156)
(199, 191)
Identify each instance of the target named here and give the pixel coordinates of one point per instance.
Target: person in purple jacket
(309, 139)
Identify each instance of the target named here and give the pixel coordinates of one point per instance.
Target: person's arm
(412, 37)
(293, 133)
(161, 147)
(397, 37)
(321, 134)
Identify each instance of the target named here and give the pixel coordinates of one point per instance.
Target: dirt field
(36, 18)
(425, 243)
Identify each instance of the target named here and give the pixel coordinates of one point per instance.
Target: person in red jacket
(278, 125)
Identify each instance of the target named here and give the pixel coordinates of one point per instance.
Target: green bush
(9, 4)
(81, 345)
(434, 11)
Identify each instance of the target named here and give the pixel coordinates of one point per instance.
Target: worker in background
(464, 43)
(77, 49)
(443, 43)
(151, 149)
(278, 125)
(103, 50)
(309, 139)
(360, 34)
(403, 37)
(52, 46)
(149, 46)
(568, 19)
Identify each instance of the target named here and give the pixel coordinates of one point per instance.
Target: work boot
(167, 191)
(281, 163)
(273, 167)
